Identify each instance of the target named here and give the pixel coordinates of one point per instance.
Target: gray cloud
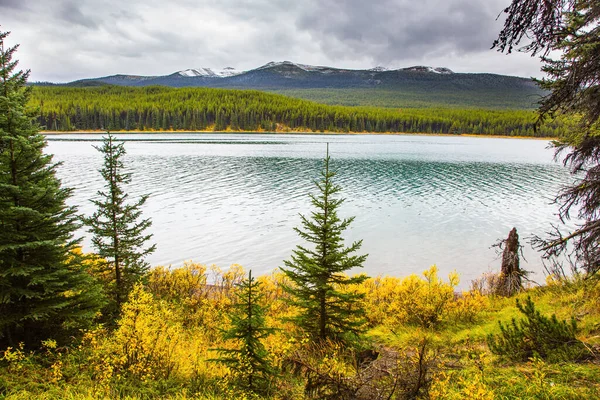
(70, 11)
(63, 40)
(14, 4)
(396, 30)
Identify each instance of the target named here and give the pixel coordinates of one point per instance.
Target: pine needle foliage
(537, 336)
(119, 233)
(249, 361)
(159, 108)
(44, 290)
(566, 35)
(327, 312)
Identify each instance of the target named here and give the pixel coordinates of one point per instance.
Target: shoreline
(484, 135)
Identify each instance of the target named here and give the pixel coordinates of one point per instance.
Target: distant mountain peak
(230, 71)
(379, 68)
(210, 73)
(305, 67)
(272, 64)
(324, 83)
(423, 68)
(443, 70)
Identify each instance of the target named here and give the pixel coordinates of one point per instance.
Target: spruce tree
(538, 336)
(318, 273)
(44, 290)
(566, 36)
(250, 360)
(118, 233)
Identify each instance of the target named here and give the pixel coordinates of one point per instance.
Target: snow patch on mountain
(305, 67)
(379, 68)
(273, 64)
(423, 68)
(443, 70)
(326, 70)
(210, 73)
(229, 71)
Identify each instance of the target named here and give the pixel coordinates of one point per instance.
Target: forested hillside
(417, 86)
(418, 97)
(195, 109)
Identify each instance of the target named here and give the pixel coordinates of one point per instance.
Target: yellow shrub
(14, 357)
(281, 343)
(149, 343)
(271, 287)
(56, 371)
(168, 327)
(440, 386)
(186, 284)
(144, 342)
(96, 266)
(392, 301)
(223, 282)
(467, 306)
(200, 296)
(379, 293)
(193, 282)
(473, 388)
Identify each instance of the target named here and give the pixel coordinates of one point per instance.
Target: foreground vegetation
(195, 109)
(422, 340)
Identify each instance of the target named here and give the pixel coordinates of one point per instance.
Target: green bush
(537, 336)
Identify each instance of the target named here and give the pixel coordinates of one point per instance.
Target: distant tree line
(195, 109)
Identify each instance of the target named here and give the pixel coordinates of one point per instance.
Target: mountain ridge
(296, 73)
(405, 87)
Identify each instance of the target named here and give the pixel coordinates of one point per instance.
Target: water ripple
(417, 200)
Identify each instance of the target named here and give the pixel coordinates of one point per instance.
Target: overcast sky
(64, 40)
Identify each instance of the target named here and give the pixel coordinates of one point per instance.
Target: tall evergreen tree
(317, 274)
(566, 35)
(43, 287)
(250, 360)
(118, 233)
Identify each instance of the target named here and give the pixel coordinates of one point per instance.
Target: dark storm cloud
(14, 4)
(395, 30)
(63, 40)
(70, 11)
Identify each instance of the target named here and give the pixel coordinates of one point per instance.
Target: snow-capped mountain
(379, 68)
(284, 75)
(229, 71)
(304, 67)
(210, 73)
(423, 68)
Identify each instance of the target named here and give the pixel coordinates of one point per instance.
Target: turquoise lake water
(418, 200)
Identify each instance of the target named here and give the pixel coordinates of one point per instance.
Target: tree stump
(511, 274)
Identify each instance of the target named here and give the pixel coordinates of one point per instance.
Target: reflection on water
(418, 200)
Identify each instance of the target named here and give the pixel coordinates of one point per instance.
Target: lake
(418, 200)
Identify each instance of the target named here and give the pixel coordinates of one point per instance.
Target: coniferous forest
(118, 108)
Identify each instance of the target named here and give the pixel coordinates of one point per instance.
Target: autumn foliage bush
(166, 328)
(143, 346)
(169, 324)
(425, 302)
(161, 345)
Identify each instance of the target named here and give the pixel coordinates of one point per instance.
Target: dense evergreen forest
(196, 109)
(416, 96)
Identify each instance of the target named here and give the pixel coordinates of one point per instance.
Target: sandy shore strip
(475, 135)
